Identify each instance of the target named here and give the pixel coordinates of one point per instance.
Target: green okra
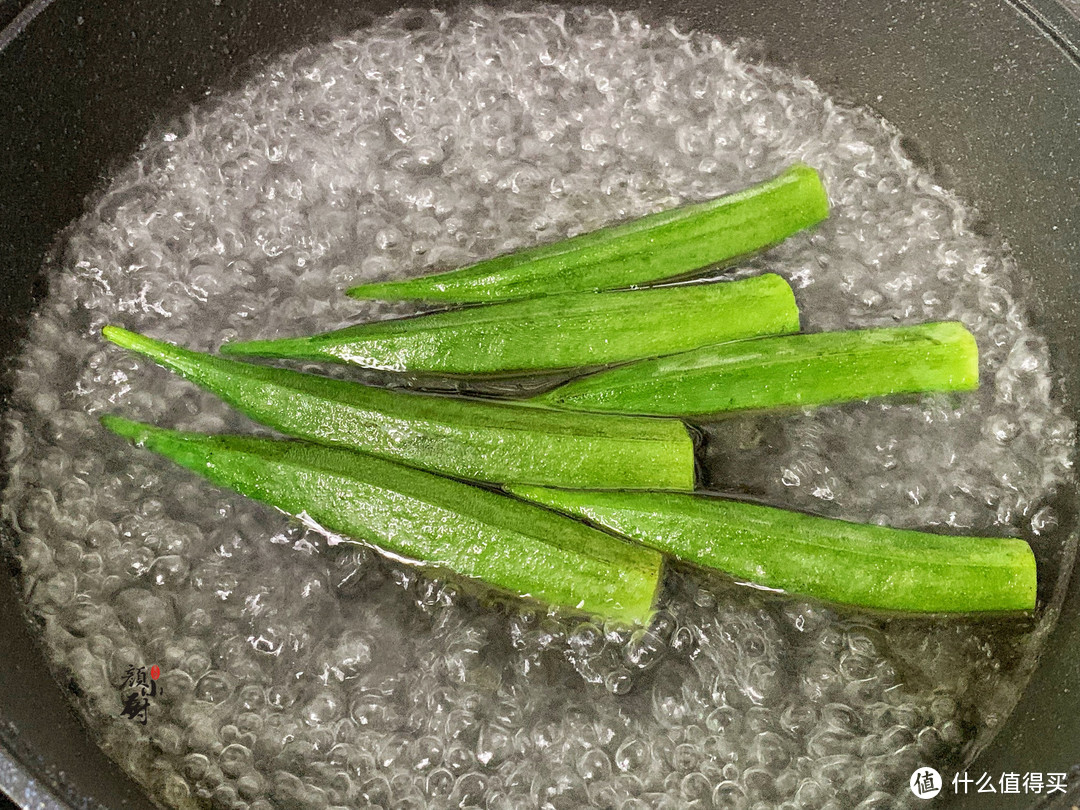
(437, 522)
(557, 332)
(782, 372)
(655, 247)
(475, 439)
(851, 563)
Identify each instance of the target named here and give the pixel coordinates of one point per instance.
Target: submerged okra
(782, 372)
(437, 522)
(558, 332)
(485, 441)
(656, 247)
(854, 564)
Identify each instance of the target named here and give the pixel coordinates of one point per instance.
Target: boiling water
(295, 675)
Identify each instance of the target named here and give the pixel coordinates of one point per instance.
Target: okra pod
(437, 522)
(782, 372)
(851, 563)
(473, 439)
(660, 246)
(557, 332)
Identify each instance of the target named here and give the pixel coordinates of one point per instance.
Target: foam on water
(301, 676)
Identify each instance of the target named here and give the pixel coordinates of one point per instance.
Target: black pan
(989, 90)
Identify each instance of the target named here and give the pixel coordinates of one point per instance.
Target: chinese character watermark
(138, 688)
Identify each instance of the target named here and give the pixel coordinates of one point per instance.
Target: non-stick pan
(986, 90)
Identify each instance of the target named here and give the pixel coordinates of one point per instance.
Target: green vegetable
(437, 522)
(659, 246)
(564, 331)
(851, 563)
(782, 372)
(486, 441)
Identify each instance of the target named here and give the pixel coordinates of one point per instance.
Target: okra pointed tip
(133, 341)
(245, 348)
(118, 335)
(300, 348)
(235, 347)
(125, 428)
(362, 291)
(379, 291)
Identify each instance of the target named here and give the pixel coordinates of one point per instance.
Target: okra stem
(855, 564)
(474, 439)
(782, 372)
(437, 522)
(557, 332)
(656, 247)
